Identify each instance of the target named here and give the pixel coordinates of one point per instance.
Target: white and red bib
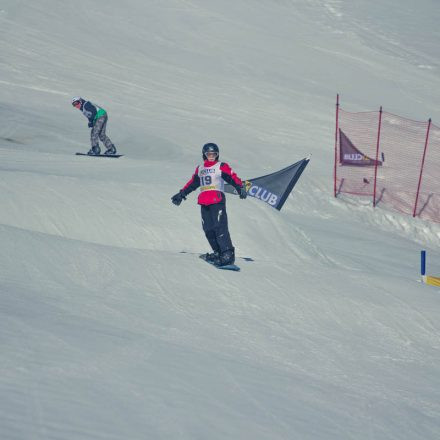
(211, 178)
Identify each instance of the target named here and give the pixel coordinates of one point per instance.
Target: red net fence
(393, 160)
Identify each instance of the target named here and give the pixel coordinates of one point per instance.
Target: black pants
(215, 225)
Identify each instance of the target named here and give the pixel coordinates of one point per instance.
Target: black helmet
(210, 148)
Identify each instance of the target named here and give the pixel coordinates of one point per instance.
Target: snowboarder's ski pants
(98, 132)
(215, 226)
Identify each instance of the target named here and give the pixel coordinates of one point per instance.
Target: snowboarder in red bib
(210, 177)
(97, 117)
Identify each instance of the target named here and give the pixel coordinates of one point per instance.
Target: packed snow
(107, 330)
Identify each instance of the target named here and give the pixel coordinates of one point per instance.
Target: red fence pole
(336, 143)
(377, 156)
(421, 167)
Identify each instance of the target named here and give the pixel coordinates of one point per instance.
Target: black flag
(273, 188)
(350, 155)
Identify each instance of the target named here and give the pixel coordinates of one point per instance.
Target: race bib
(211, 178)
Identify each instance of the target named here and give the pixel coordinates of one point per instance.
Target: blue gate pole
(423, 262)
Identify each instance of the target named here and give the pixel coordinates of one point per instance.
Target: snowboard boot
(227, 257)
(110, 151)
(213, 257)
(94, 151)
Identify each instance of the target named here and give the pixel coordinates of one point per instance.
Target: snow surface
(107, 331)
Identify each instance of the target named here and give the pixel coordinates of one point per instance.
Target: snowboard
(100, 155)
(237, 258)
(233, 267)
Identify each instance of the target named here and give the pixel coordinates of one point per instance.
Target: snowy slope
(107, 331)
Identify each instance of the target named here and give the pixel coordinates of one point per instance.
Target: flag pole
(336, 144)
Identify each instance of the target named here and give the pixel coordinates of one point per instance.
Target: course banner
(350, 155)
(274, 188)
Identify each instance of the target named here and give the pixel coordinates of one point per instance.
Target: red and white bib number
(211, 178)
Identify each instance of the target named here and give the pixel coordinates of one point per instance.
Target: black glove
(177, 198)
(242, 193)
(90, 124)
